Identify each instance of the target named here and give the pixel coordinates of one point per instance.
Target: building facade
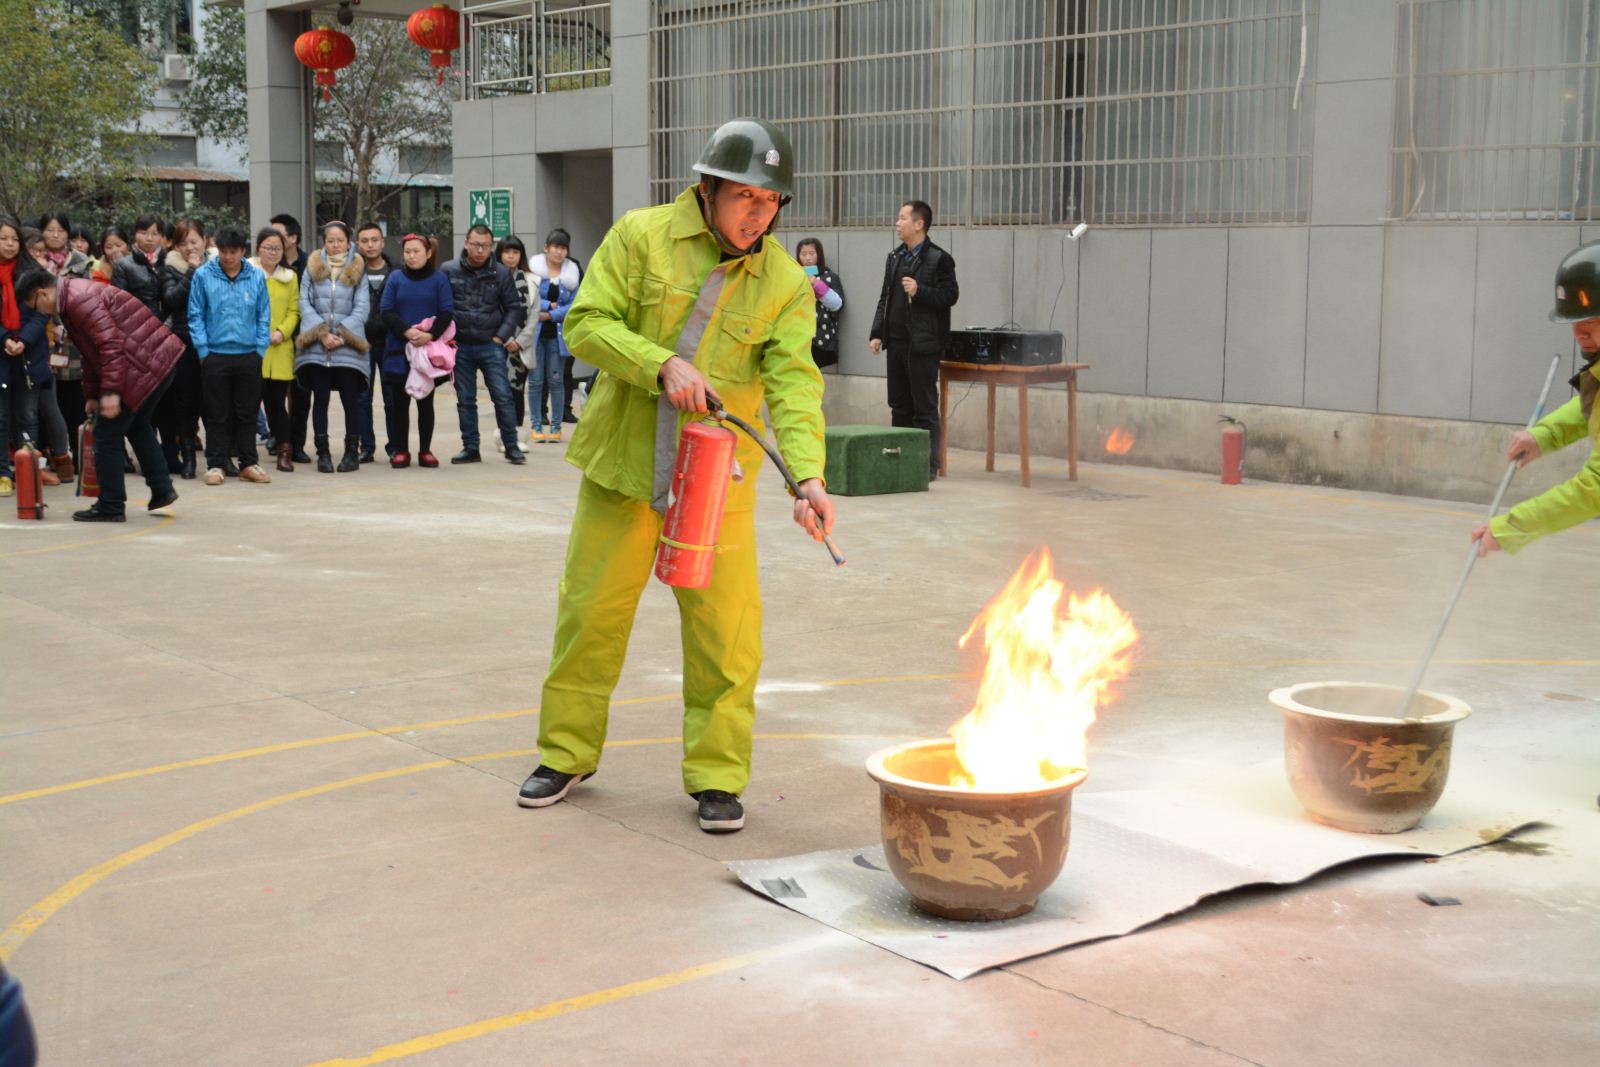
(1336, 221)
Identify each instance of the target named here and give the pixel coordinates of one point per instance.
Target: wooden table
(993, 374)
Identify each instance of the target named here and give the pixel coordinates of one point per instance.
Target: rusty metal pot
(964, 854)
(1354, 765)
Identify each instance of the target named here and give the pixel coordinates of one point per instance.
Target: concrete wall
(1410, 345)
(575, 159)
(1360, 352)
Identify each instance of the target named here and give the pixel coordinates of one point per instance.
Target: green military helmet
(752, 152)
(1578, 285)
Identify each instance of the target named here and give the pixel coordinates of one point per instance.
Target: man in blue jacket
(488, 313)
(230, 326)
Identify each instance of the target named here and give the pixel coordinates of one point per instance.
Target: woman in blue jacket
(334, 303)
(413, 294)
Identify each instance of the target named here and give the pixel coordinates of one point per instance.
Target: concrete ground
(258, 762)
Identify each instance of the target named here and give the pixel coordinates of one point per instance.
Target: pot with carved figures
(1354, 764)
(963, 853)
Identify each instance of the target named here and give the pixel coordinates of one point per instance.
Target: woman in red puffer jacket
(129, 359)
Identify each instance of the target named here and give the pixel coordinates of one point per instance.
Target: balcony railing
(536, 46)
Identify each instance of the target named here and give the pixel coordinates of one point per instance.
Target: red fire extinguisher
(88, 476)
(695, 498)
(1232, 451)
(696, 495)
(30, 489)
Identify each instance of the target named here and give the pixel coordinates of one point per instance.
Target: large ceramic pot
(963, 854)
(1354, 764)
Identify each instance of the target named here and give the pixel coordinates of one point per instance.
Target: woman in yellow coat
(277, 367)
(683, 302)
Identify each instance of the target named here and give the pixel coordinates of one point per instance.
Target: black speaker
(1018, 347)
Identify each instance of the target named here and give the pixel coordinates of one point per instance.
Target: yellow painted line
(435, 724)
(883, 679)
(568, 1006)
(289, 746)
(24, 925)
(162, 523)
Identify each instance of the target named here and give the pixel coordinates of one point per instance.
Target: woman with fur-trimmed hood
(332, 347)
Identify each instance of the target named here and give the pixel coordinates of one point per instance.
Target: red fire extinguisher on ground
(30, 488)
(696, 496)
(88, 476)
(1232, 451)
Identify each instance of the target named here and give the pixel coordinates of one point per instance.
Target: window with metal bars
(1001, 112)
(1497, 111)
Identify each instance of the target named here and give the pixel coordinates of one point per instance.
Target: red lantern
(324, 50)
(438, 29)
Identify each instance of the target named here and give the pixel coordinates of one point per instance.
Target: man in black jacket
(378, 266)
(913, 323)
(488, 312)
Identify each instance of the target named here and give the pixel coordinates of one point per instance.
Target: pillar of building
(279, 115)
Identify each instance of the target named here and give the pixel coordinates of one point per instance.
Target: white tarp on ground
(1135, 857)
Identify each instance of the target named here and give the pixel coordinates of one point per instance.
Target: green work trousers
(610, 556)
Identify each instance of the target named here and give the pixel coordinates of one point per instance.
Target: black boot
(186, 460)
(324, 456)
(351, 460)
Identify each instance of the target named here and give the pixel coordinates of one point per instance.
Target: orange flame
(1047, 673)
(1120, 443)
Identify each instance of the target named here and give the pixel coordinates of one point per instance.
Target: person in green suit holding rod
(685, 302)
(1577, 499)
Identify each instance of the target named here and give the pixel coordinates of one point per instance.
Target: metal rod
(1472, 556)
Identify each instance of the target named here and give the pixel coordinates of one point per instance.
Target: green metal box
(867, 460)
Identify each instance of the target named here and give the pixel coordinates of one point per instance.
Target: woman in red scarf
(18, 410)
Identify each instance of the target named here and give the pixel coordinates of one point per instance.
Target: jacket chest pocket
(662, 311)
(739, 341)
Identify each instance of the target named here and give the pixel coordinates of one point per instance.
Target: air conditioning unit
(175, 68)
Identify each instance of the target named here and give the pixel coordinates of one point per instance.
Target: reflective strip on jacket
(1574, 501)
(636, 296)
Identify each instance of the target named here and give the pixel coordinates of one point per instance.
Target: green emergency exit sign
(491, 208)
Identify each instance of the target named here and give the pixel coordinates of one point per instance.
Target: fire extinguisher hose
(722, 414)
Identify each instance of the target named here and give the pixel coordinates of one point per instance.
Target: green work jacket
(636, 295)
(1573, 501)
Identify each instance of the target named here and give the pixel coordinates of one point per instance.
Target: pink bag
(430, 361)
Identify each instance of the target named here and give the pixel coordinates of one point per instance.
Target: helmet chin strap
(711, 223)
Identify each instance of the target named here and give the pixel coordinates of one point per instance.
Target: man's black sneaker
(467, 455)
(94, 514)
(299, 455)
(546, 786)
(516, 455)
(157, 503)
(720, 812)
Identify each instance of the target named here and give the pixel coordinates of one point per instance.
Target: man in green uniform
(1577, 499)
(683, 302)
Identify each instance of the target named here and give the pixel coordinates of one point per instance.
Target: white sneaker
(499, 445)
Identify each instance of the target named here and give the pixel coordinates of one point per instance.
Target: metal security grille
(1497, 110)
(536, 46)
(1001, 112)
